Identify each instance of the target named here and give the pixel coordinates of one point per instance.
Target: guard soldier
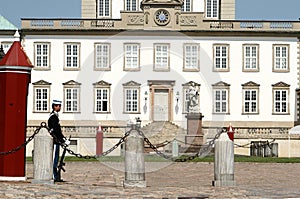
(58, 137)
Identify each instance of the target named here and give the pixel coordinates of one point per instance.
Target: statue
(193, 97)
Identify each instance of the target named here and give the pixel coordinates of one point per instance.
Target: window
(102, 97)
(41, 99)
(221, 97)
(161, 57)
(6, 46)
(72, 55)
(221, 57)
(191, 57)
(42, 55)
(250, 58)
(41, 93)
(102, 56)
(104, 8)
(131, 56)
(131, 5)
(71, 96)
(281, 58)
(186, 7)
(280, 98)
(250, 98)
(131, 97)
(212, 9)
(250, 101)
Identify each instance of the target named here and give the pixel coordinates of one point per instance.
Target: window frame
(281, 70)
(104, 10)
(155, 65)
(250, 86)
(41, 85)
(131, 86)
(72, 56)
(125, 67)
(191, 69)
(73, 86)
(221, 86)
(101, 85)
(101, 56)
(48, 67)
(250, 57)
(212, 9)
(280, 86)
(131, 1)
(250, 101)
(184, 8)
(227, 47)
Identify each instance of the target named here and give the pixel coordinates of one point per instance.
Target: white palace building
(138, 58)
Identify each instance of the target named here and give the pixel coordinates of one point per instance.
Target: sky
(14, 10)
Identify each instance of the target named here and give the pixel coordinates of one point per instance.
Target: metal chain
(205, 148)
(43, 125)
(78, 155)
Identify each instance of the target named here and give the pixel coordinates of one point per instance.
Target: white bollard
(134, 160)
(224, 161)
(175, 151)
(43, 158)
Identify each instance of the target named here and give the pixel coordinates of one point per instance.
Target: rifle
(62, 163)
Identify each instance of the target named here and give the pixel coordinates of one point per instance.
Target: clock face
(162, 17)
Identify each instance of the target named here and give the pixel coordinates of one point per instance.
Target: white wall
(206, 77)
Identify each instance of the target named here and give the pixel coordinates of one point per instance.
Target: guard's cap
(56, 102)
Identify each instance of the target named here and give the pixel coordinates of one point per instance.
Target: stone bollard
(134, 160)
(43, 158)
(175, 151)
(224, 161)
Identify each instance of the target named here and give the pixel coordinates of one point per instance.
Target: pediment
(191, 83)
(102, 83)
(41, 83)
(281, 84)
(221, 84)
(250, 84)
(131, 83)
(72, 83)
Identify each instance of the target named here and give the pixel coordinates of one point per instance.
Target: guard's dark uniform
(54, 126)
(58, 138)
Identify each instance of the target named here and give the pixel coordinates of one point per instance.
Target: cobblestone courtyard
(164, 180)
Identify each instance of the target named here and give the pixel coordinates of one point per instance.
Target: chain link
(78, 155)
(43, 125)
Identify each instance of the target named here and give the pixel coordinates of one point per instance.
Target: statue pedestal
(194, 129)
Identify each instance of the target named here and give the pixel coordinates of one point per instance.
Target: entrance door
(161, 105)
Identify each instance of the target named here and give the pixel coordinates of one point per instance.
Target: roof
(6, 25)
(16, 56)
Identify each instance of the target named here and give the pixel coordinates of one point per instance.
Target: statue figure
(193, 97)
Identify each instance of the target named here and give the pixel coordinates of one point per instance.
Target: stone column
(43, 158)
(224, 161)
(134, 160)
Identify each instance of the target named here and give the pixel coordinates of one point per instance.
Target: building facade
(127, 58)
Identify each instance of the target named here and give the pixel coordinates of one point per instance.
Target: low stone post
(224, 161)
(134, 160)
(175, 150)
(43, 158)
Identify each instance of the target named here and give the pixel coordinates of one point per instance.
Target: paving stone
(172, 181)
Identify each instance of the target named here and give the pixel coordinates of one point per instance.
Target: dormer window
(131, 5)
(104, 8)
(186, 7)
(212, 9)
